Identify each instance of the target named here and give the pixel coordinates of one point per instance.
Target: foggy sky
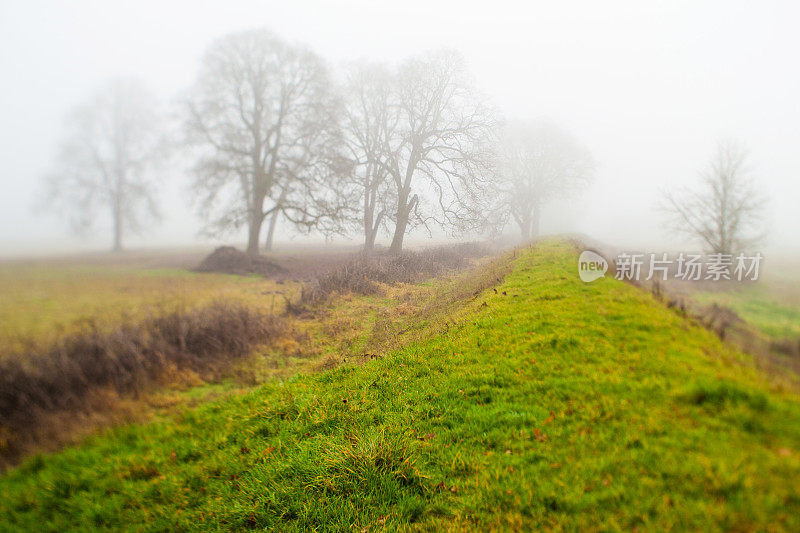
(649, 87)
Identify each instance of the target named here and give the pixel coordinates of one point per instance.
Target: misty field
(513, 396)
(772, 305)
(95, 343)
(418, 266)
(43, 301)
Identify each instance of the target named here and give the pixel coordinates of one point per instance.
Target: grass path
(555, 405)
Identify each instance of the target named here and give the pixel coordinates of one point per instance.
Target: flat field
(42, 301)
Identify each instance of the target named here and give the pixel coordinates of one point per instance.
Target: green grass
(763, 305)
(555, 405)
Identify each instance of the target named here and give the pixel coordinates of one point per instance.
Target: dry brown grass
(53, 394)
(423, 311)
(70, 375)
(365, 274)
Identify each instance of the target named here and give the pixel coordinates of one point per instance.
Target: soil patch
(229, 260)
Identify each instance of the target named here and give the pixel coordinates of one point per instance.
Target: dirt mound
(229, 260)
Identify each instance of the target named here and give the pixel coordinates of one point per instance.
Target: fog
(649, 88)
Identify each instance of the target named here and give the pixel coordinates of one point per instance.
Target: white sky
(649, 87)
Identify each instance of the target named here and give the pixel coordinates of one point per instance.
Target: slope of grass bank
(762, 306)
(549, 403)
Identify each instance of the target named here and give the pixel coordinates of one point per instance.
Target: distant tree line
(106, 161)
(275, 135)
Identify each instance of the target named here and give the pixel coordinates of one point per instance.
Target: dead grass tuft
(66, 377)
(365, 273)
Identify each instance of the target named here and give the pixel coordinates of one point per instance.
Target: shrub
(364, 273)
(126, 360)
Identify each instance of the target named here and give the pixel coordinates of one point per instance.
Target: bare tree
(537, 163)
(726, 212)
(273, 224)
(262, 116)
(439, 153)
(110, 146)
(370, 123)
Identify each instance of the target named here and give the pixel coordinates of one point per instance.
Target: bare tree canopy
(726, 213)
(262, 116)
(537, 163)
(439, 155)
(370, 123)
(110, 146)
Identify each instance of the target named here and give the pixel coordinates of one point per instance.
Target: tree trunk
(253, 234)
(524, 223)
(369, 241)
(404, 205)
(400, 231)
(273, 221)
(117, 226)
(369, 235)
(371, 231)
(399, 234)
(537, 215)
(525, 231)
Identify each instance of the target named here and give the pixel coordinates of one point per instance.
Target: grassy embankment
(769, 307)
(549, 403)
